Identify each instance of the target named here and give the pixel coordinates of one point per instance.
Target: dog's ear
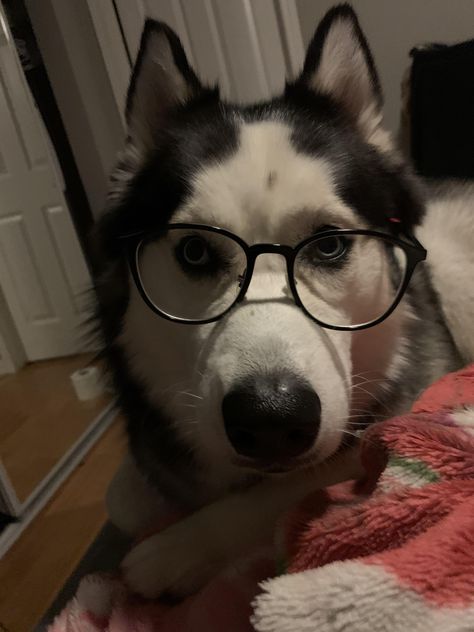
(162, 79)
(339, 64)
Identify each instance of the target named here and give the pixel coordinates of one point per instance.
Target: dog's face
(265, 387)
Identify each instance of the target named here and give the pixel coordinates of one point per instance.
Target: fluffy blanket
(395, 553)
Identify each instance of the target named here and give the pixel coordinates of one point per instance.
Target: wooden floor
(41, 418)
(35, 568)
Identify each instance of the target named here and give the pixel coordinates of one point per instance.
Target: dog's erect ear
(339, 63)
(162, 79)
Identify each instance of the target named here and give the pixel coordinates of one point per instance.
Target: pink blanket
(393, 555)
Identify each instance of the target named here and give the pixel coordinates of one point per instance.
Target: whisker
(190, 421)
(374, 397)
(365, 373)
(173, 387)
(357, 435)
(188, 394)
(362, 416)
(368, 380)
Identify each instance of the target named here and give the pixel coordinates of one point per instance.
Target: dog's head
(265, 386)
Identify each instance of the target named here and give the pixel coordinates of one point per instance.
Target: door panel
(43, 273)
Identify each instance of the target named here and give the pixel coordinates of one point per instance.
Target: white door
(43, 274)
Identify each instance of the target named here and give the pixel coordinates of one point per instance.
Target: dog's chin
(267, 468)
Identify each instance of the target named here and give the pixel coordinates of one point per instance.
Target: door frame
(114, 50)
(12, 352)
(292, 36)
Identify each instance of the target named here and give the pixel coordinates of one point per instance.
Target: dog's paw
(174, 563)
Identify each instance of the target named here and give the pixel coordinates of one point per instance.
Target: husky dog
(262, 295)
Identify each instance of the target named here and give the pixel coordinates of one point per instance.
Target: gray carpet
(104, 554)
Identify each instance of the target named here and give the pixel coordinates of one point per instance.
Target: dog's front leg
(183, 557)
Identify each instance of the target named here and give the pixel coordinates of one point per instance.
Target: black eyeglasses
(342, 279)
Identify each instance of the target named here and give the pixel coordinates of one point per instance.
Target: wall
(393, 27)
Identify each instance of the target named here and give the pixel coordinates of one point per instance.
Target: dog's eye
(329, 248)
(194, 251)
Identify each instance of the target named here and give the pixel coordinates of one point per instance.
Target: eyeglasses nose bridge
(256, 251)
(260, 249)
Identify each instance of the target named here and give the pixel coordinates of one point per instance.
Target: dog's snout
(272, 418)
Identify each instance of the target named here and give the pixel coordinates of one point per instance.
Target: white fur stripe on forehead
(339, 64)
(265, 186)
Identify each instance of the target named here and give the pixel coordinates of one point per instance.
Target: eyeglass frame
(414, 252)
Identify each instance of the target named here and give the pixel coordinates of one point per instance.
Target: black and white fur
(273, 173)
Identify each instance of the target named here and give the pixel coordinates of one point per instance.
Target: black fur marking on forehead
(271, 179)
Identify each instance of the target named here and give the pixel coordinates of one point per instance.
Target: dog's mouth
(309, 460)
(275, 467)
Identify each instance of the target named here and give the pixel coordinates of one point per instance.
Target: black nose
(272, 418)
